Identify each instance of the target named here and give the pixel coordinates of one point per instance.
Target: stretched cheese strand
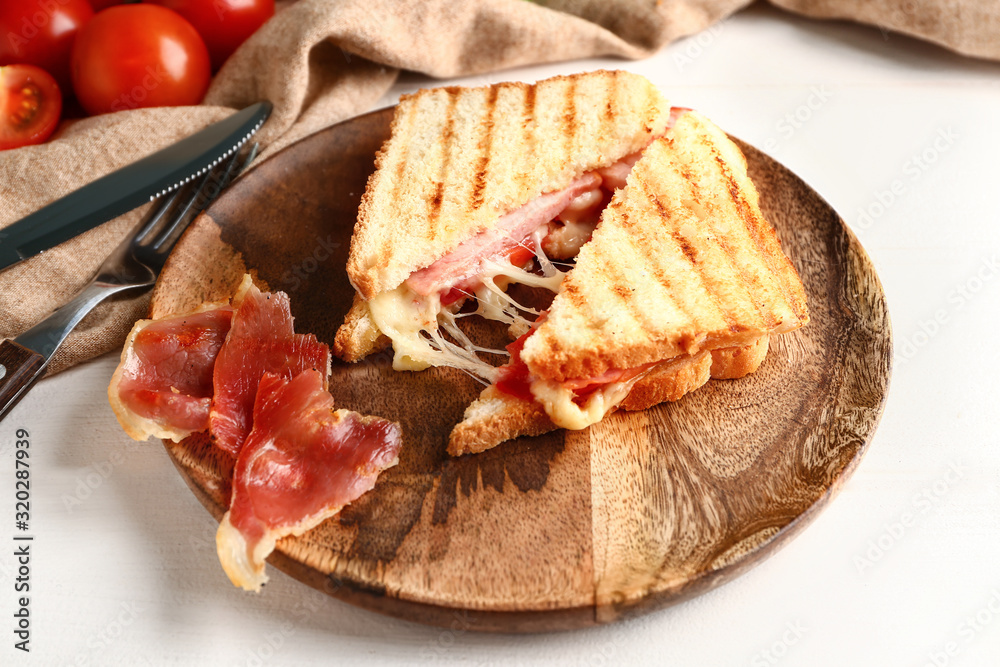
(413, 321)
(412, 314)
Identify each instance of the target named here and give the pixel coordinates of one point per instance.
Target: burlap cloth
(322, 61)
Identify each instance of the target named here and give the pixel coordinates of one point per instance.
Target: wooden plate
(573, 528)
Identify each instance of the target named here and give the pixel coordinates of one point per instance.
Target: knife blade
(129, 187)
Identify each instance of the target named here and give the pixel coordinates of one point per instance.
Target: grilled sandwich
(473, 187)
(683, 280)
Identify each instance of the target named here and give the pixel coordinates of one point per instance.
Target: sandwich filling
(575, 403)
(420, 316)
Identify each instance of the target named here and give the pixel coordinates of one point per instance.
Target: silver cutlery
(134, 265)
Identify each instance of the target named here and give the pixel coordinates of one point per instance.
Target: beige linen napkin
(970, 27)
(322, 61)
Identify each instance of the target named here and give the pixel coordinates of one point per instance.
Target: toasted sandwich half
(683, 280)
(473, 186)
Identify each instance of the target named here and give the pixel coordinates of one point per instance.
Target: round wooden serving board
(573, 528)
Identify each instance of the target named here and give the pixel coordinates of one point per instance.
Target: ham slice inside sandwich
(419, 315)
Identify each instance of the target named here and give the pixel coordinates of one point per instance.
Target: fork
(133, 265)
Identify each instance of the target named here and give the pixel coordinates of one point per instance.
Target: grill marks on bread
(718, 250)
(756, 250)
(460, 158)
(702, 267)
(689, 248)
(526, 132)
(447, 139)
(767, 243)
(569, 115)
(485, 145)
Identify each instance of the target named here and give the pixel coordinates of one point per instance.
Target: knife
(125, 189)
(135, 264)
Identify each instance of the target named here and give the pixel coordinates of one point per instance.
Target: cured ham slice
(579, 203)
(242, 373)
(302, 462)
(261, 340)
(163, 385)
(510, 231)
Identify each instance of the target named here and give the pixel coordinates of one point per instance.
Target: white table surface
(903, 568)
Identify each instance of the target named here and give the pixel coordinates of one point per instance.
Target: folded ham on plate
(239, 371)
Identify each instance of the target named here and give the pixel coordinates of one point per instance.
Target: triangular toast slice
(681, 263)
(496, 417)
(467, 176)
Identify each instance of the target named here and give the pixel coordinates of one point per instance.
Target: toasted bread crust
(730, 363)
(496, 417)
(459, 158)
(358, 336)
(669, 381)
(682, 261)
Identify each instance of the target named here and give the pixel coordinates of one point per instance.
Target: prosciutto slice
(163, 385)
(260, 341)
(302, 462)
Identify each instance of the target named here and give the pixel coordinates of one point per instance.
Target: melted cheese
(411, 321)
(566, 241)
(564, 412)
(579, 220)
(557, 400)
(414, 322)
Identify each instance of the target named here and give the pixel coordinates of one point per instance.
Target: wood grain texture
(572, 528)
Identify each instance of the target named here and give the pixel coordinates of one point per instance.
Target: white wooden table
(903, 568)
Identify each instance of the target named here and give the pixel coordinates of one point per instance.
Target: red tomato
(136, 56)
(30, 103)
(41, 32)
(520, 255)
(101, 4)
(224, 24)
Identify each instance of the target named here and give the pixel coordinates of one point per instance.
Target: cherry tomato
(224, 24)
(519, 255)
(136, 56)
(101, 4)
(41, 32)
(30, 103)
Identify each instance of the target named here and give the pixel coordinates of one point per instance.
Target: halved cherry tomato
(40, 32)
(223, 24)
(136, 56)
(514, 378)
(30, 104)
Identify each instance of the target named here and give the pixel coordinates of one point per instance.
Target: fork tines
(172, 212)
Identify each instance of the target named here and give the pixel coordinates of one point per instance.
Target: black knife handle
(19, 369)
